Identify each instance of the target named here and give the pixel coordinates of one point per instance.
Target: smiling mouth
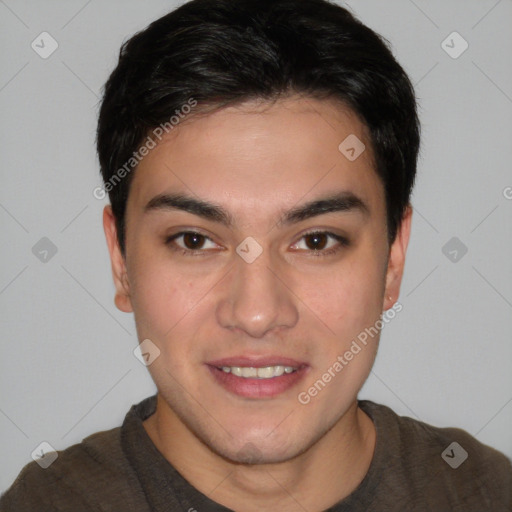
(251, 372)
(264, 379)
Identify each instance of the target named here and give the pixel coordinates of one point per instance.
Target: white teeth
(249, 372)
(267, 372)
(236, 370)
(278, 371)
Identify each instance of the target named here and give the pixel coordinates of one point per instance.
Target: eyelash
(342, 243)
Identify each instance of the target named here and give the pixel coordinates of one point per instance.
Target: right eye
(190, 243)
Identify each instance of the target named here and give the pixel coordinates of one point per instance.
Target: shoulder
(80, 478)
(444, 463)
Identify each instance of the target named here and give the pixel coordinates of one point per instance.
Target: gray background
(67, 367)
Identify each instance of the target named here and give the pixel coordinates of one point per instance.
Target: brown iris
(316, 241)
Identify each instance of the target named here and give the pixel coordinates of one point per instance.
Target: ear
(396, 260)
(119, 272)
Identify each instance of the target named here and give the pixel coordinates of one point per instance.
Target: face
(256, 253)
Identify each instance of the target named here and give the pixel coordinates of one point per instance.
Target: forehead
(259, 157)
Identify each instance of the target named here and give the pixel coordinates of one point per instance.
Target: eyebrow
(346, 202)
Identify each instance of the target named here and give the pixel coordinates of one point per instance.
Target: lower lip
(257, 388)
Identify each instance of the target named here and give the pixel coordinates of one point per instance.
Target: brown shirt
(415, 467)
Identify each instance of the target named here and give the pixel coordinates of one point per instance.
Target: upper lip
(256, 362)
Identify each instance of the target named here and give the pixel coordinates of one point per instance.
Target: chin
(254, 454)
(263, 449)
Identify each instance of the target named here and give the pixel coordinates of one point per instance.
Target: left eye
(319, 241)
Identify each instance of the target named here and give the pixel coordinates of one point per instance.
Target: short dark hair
(226, 52)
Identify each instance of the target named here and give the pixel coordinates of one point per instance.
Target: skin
(258, 161)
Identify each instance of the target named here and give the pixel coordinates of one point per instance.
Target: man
(259, 158)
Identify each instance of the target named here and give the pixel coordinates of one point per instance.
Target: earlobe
(122, 298)
(396, 261)
(119, 271)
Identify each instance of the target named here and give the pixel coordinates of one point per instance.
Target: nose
(256, 299)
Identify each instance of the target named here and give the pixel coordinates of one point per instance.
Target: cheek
(349, 298)
(350, 304)
(161, 296)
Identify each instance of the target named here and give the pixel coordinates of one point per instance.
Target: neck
(327, 472)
